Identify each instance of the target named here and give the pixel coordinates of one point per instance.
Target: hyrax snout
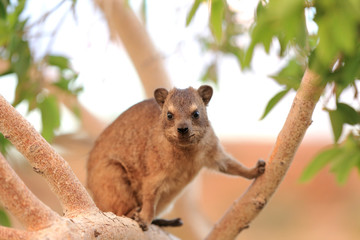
(146, 157)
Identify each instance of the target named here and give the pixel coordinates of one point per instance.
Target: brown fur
(143, 160)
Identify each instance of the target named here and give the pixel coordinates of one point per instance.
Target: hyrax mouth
(187, 139)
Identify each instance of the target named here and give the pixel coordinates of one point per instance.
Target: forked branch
(18, 199)
(45, 161)
(82, 220)
(247, 207)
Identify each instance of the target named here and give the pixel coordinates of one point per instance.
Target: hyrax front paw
(140, 221)
(260, 167)
(135, 215)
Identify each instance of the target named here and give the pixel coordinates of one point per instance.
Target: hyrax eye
(170, 115)
(196, 114)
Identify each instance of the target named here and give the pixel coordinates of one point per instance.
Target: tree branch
(125, 25)
(246, 208)
(13, 234)
(45, 161)
(18, 199)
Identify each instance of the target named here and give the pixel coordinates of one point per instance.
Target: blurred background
(319, 209)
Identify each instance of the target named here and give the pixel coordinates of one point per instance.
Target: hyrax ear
(160, 95)
(205, 93)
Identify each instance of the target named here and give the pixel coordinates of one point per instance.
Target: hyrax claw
(261, 166)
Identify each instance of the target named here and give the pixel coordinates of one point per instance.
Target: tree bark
(123, 24)
(45, 161)
(14, 234)
(17, 198)
(247, 207)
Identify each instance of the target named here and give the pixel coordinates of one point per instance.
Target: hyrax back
(143, 160)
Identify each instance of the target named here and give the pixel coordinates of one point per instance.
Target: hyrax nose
(183, 130)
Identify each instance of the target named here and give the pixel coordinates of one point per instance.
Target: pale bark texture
(82, 219)
(124, 25)
(247, 207)
(44, 160)
(17, 198)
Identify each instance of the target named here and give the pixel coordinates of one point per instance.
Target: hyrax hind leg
(112, 190)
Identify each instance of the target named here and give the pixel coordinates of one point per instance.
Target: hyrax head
(183, 114)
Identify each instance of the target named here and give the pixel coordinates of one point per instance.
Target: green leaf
(50, 117)
(344, 31)
(3, 6)
(342, 159)
(320, 162)
(248, 56)
(337, 122)
(344, 165)
(192, 11)
(144, 11)
(4, 143)
(273, 101)
(4, 219)
(349, 159)
(20, 55)
(290, 75)
(5, 32)
(349, 114)
(281, 19)
(59, 61)
(216, 18)
(343, 114)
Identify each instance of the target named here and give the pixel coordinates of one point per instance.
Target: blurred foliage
(4, 219)
(32, 86)
(332, 50)
(341, 158)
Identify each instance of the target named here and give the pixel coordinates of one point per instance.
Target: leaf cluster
(341, 158)
(31, 83)
(225, 32)
(332, 49)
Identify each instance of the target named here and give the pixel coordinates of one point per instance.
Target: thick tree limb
(125, 25)
(246, 208)
(92, 225)
(14, 234)
(45, 161)
(18, 199)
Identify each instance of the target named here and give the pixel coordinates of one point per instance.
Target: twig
(45, 15)
(246, 208)
(55, 31)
